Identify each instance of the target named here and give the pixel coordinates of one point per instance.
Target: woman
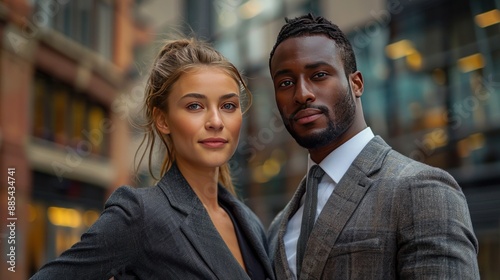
(190, 225)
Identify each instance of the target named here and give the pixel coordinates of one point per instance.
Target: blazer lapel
(198, 227)
(203, 235)
(280, 260)
(340, 206)
(251, 231)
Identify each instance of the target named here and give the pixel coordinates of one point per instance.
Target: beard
(338, 122)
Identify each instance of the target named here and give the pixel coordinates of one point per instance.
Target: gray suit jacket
(161, 232)
(389, 217)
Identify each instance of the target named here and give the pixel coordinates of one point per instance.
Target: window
(78, 121)
(67, 117)
(40, 107)
(90, 23)
(59, 113)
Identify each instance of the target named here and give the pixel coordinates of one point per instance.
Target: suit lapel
(252, 231)
(280, 260)
(341, 205)
(198, 227)
(202, 234)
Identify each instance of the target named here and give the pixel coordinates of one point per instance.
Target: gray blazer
(389, 217)
(161, 232)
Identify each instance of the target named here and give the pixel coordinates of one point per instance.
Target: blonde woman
(189, 225)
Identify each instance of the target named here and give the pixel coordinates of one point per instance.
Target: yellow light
(437, 138)
(399, 49)
(258, 175)
(488, 18)
(476, 141)
(471, 62)
(473, 142)
(271, 168)
(414, 60)
(65, 217)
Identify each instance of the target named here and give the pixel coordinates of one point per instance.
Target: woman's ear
(160, 121)
(357, 83)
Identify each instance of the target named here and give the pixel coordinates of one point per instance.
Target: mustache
(321, 108)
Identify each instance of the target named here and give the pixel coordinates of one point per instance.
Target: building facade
(65, 143)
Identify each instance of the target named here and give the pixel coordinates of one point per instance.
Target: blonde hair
(174, 59)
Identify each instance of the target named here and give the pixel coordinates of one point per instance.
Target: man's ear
(160, 121)
(357, 84)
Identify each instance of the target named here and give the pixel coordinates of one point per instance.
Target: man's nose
(303, 93)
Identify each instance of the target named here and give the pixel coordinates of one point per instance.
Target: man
(377, 214)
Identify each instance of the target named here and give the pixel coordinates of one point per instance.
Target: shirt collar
(339, 160)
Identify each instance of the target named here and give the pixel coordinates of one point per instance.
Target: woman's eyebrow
(228, 96)
(194, 95)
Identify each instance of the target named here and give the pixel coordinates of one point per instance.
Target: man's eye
(320, 75)
(286, 83)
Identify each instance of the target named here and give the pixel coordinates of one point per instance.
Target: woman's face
(203, 117)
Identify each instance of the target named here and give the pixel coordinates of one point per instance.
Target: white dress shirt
(335, 166)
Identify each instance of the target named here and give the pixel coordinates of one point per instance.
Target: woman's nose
(214, 121)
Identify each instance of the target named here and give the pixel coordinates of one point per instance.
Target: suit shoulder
(131, 193)
(414, 172)
(406, 166)
(136, 199)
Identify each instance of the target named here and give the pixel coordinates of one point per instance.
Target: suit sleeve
(436, 239)
(108, 247)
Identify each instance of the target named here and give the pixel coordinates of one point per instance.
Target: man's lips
(213, 142)
(307, 115)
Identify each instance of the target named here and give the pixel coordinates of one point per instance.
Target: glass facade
(435, 96)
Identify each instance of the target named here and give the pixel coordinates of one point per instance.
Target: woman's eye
(229, 106)
(194, 106)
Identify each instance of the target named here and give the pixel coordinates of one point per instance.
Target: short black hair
(307, 25)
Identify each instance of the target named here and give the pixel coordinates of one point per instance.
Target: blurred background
(72, 74)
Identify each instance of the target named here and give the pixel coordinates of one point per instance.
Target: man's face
(312, 91)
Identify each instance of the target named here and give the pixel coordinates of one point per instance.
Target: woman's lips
(213, 142)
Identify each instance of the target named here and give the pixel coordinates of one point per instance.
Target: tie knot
(316, 172)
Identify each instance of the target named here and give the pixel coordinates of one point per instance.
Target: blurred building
(63, 66)
(432, 90)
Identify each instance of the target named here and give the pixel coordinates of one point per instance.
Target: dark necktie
(309, 215)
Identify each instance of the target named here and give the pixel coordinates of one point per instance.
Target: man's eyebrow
(281, 72)
(313, 65)
(316, 65)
